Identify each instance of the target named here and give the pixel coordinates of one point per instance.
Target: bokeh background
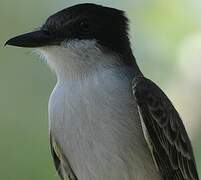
(166, 39)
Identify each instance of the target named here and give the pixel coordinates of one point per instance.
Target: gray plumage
(106, 120)
(95, 121)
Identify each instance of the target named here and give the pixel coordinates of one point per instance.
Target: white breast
(98, 128)
(95, 121)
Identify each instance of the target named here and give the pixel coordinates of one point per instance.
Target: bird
(107, 121)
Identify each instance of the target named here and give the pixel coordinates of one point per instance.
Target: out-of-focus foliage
(166, 38)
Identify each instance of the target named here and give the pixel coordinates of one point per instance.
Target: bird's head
(80, 30)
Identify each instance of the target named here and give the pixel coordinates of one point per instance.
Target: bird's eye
(46, 32)
(84, 25)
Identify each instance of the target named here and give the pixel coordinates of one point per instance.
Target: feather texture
(171, 147)
(93, 116)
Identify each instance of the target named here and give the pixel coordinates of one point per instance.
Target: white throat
(77, 59)
(90, 110)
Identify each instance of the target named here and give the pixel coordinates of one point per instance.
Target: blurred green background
(166, 39)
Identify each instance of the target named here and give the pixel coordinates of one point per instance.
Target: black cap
(108, 26)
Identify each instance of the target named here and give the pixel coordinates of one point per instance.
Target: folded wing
(165, 133)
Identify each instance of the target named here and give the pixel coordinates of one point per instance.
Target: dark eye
(47, 32)
(84, 25)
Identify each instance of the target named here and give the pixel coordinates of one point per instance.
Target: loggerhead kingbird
(107, 121)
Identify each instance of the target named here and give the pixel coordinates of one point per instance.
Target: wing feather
(172, 148)
(61, 163)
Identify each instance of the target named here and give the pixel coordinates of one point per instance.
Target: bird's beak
(32, 39)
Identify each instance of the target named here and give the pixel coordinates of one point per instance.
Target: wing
(61, 163)
(164, 132)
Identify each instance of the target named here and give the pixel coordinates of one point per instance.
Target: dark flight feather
(172, 148)
(61, 163)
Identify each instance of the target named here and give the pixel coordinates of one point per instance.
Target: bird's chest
(95, 126)
(82, 114)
